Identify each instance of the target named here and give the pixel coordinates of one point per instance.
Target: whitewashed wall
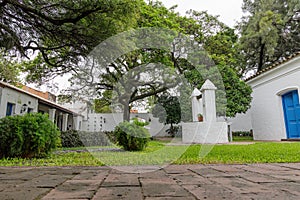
(108, 122)
(241, 122)
(17, 98)
(267, 117)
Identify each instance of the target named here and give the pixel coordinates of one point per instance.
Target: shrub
(131, 136)
(242, 133)
(111, 136)
(11, 137)
(80, 139)
(28, 136)
(139, 123)
(70, 139)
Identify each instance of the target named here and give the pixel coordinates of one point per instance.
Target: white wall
(108, 122)
(17, 98)
(266, 109)
(241, 122)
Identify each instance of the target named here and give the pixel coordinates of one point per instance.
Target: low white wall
(108, 121)
(241, 122)
(204, 133)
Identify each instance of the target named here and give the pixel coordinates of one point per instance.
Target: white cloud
(229, 11)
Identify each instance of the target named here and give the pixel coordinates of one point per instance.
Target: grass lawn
(158, 153)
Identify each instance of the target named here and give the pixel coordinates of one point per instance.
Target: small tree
(168, 111)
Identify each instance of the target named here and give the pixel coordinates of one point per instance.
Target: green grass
(157, 153)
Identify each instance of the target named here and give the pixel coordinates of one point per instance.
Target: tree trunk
(261, 56)
(126, 112)
(172, 130)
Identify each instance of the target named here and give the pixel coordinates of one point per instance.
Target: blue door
(291, 109)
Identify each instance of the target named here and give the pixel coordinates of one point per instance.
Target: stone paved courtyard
(255, 181)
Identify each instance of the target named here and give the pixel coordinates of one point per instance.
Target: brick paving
(253, 181)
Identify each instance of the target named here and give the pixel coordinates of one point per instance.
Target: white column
(52, 114)
(76, 122)
(196, 104)
(208, 90)
(65, 122)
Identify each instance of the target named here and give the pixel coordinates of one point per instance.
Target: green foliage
(131, 136)
(61, 32)
(139, 123)
(269, 31)
(242, 133)
(11, 137)
(9, 69)
(238, 93)
(70, 139)
(84, 139)
(28, 136)
(102, 105)
(167, 109)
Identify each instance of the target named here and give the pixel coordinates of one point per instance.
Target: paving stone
(73, 189)
(228, 168)
(239, 185)
(121, 180)
(135, 169)
(290, 165)
(19, 175)
(175, 169)
(45, 181)
(159, 174)
(289, 187)
(190, 178)
(91, 175)
(210, 192)
(111, 193)
(259, 178)
(257, 181)
(210, 172)
(169, 198)
(161, 190)
(7, 184)
(23, 193)
(287, 177)
(264, 169)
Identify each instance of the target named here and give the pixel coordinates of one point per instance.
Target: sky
(229, 11)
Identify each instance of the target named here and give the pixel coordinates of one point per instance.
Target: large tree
(219, 41)
(269, 31)
(61, 32)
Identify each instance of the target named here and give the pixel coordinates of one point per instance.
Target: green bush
(111, 136)
(131, 136)
(80, 139)
(242, 133)
(11, 137)
(139, 123)
(71, 139)
(28, 136)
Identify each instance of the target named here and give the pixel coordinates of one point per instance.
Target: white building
(275, 109)
(16, 101)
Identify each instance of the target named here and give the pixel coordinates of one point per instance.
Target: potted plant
(200, 117)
